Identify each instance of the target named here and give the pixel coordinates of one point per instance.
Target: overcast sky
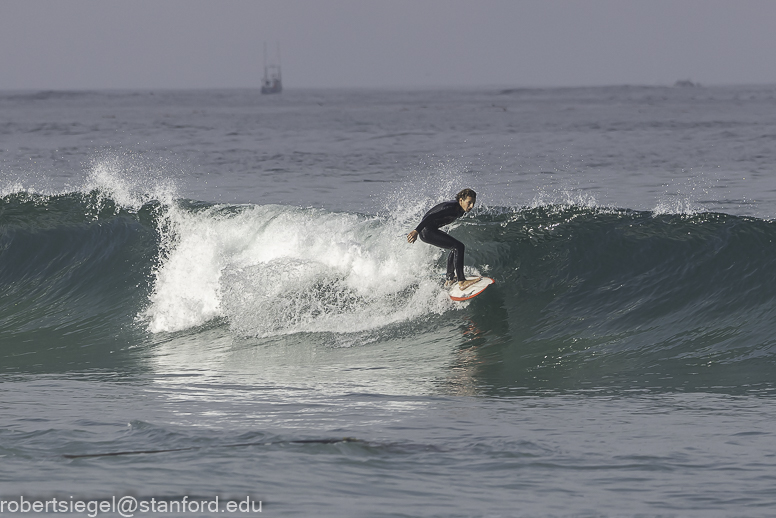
(90, 44)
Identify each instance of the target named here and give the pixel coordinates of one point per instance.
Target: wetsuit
(428, 231)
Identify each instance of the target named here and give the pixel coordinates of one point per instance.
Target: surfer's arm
(423, 223)
(438, 216)
(413, 236)
(428, 218)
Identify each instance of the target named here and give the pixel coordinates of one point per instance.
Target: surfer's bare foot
(449, 282)
(468, 282)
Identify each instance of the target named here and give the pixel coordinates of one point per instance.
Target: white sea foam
(676, 205)
(14, 187)
(130, 181)
(276, 270)
(564, 197)
(687, 195)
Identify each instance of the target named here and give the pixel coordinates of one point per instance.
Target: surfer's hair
(465, 194)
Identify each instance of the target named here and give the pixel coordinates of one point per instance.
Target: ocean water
(208, 295)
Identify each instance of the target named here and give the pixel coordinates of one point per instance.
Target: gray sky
(86, 44)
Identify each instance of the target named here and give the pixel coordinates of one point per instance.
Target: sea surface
(208, 294)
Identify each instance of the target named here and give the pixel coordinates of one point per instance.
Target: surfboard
(472, 291)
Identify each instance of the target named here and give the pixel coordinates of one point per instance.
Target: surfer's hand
(412, 236)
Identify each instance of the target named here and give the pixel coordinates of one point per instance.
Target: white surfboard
(472, 291)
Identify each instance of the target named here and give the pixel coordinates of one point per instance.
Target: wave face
(597, 297)
(585, 297)
(73, 270)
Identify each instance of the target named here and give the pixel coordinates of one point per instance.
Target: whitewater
(210, 293)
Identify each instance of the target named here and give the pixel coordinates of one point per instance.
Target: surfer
(428, 230)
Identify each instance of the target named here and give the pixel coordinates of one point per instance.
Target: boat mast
(266, 74)
(278, 47)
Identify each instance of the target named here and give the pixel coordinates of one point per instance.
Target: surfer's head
(466, 199)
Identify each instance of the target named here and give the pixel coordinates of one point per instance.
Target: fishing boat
(271, 84)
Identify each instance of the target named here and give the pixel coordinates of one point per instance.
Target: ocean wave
(582, 291)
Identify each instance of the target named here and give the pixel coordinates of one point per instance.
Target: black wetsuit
(428, 230)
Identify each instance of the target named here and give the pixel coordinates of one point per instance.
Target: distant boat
(272, 83)
(686, 83)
